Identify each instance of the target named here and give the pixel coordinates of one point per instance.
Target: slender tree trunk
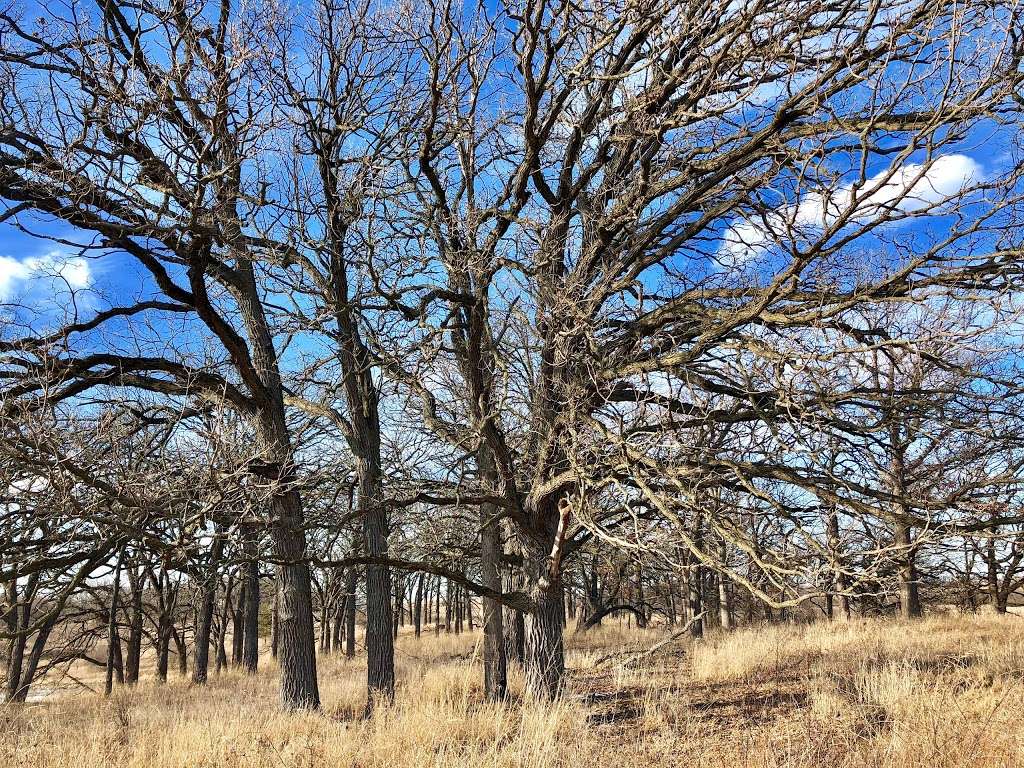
(18, 620)
(200, 666)
(417, 610)
(695, 580)
(118, 657)
(350, 613)
(448, 606)
(724, 596)
(181, 649)
(275, 628)
(338, 640)
(35, 656)
(238, 625)
(112, 636)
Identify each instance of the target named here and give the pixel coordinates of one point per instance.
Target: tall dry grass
(946, 691)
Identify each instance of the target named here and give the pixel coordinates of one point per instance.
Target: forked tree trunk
(181, 649)
(17, 618)
(204, 624)
(36, 655)
(133, 658)
(112, 635)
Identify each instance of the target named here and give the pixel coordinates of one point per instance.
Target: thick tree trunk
(544, 664)
(379, 640)
(545, 655)
(297, 650)
(251, 624)
(495, 661)
(910, 600)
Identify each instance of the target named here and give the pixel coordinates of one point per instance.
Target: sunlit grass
(945, 691)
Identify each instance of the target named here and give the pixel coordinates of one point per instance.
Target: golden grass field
(945, 691)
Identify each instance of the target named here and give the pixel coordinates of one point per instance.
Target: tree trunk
(112, 636)
(417, 610)
(181, 649)
(380, 643)
(297, 648)
(544, 664)
(251, 625)
(910, 600)
(338, 640)
(18, 619)
(133, 660)
(238, 625)
(350, 613)
(34, 657)
(200, 666)
(495, 661)
(695, 583)
(275, 629)
(724, 596)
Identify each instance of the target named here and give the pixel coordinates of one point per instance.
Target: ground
(944, 691)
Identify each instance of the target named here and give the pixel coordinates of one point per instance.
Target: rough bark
(491, 549)
(544, 663)
(204, 624)
(133, 657)
(251, 624)
(910, 599)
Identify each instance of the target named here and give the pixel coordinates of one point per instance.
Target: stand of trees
(509, 318)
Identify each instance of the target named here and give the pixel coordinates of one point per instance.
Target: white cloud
(906, 190)
(54, 270)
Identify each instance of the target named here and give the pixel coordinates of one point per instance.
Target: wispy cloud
(911, 188)
(43, 275)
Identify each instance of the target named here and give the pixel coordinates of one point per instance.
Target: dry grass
(943, 692)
